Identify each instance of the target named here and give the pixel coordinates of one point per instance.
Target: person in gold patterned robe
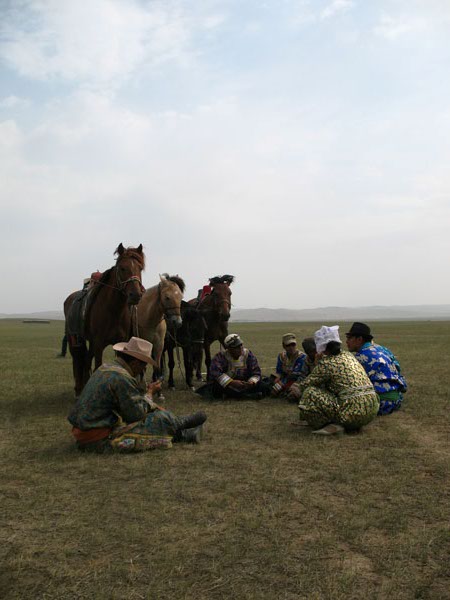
(337, 396)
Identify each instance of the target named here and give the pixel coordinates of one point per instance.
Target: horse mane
(131, 253)
(175, 279)
(221, 279)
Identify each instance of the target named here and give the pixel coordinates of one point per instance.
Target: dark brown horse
(108, 312)
(190, 337)
(215, 308)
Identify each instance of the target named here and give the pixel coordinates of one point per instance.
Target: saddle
(76, 317)
(205, 291)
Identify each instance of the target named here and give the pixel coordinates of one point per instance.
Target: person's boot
(190, 436)
(191, 421)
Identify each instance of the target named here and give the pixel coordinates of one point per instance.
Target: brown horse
(160, 304)
(107, 309)
(215, 308)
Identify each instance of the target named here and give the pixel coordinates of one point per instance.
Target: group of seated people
(336, 390)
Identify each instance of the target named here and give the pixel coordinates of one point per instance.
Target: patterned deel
(382, 367)
(288, 367)
(111, 391)
(224, 368)
(342, 375)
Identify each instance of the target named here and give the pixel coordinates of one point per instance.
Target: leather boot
(192, 436)
(190, 421)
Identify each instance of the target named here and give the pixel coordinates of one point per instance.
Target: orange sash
(91, 435)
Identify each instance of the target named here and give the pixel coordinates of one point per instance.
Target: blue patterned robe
(384, 372)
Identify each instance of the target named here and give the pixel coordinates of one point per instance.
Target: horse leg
(171, 367)
(188, 366)
(198, 365)
(78, 354)
(207, 359)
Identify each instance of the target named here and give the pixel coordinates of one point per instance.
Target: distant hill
(327, 313)
(343, 313)
(52, 315)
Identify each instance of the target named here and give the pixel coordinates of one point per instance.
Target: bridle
(175, 309)
(121, 285)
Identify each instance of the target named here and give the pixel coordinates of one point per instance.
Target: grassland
(260, 509)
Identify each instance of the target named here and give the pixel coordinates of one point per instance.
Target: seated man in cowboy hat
(290, 367)
(113, 413)
(381, 366)
(235, 373)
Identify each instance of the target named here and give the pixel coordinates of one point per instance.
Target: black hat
(360, 330)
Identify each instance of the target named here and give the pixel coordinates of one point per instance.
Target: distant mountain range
(343, 313)
(328, 313)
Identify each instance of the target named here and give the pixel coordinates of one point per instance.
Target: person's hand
(238, 385)
(154, 387)
(251, 382)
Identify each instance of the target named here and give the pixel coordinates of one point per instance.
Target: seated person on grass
(114, 413)
(337, 396)
(380, 365)
(235, 373)
(290, 366)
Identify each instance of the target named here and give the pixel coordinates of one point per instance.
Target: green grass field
(260, 509)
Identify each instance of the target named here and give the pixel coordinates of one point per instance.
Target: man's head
(309, 346)
(357, 336)
(289, 342)
(233, 344)
(137, 353)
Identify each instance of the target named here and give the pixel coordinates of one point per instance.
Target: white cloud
(392, 28)
(46, 39)
(14, 102)
(336, 7)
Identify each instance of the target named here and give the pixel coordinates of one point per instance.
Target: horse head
(171, 289)
(221, 295)
(130, 263)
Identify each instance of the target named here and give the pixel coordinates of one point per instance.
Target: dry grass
(258, 510)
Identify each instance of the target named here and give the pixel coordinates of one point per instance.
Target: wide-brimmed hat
(288, 338)
(359, 330)
(232, 341)
(137, 347)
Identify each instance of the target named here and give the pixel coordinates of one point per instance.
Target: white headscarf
(324, 335)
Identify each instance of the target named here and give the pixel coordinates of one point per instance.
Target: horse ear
(161, 278)
(139, 249)
(120, 249)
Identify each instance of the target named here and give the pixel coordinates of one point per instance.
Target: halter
(224, 300)
(121, 285)
(166, 309)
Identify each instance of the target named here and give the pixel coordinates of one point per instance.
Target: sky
(300, 145)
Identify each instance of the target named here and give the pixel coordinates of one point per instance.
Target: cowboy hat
(137, 347)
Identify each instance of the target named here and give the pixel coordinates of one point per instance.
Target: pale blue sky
(301, 145)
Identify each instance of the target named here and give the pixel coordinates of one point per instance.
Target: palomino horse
(190, 337)
(108, 317)
(160, 304)
(215, 308)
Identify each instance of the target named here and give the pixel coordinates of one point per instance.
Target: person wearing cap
(234, 372)
(114, 413)
(337, 396)
(381, 366)
(290, 366)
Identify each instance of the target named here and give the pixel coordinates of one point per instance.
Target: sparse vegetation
(260, 509)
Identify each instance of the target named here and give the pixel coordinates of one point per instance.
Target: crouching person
(114, 413)
(337, 396)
